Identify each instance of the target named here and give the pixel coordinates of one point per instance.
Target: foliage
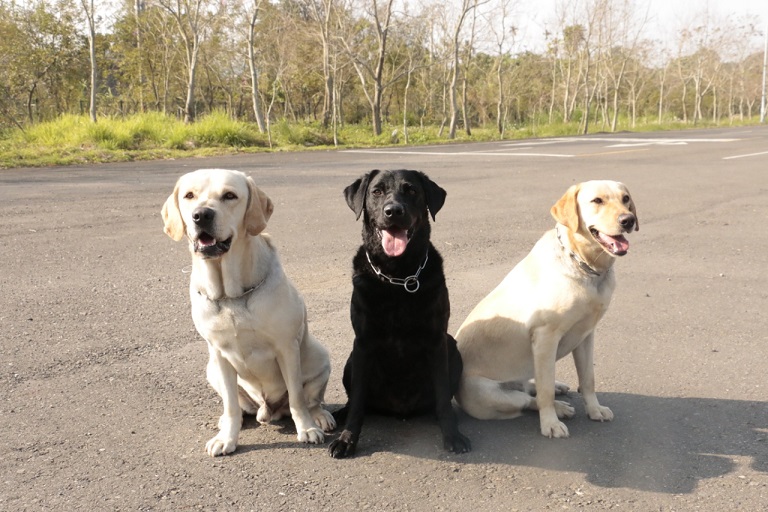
(74, 139)
(314, 72)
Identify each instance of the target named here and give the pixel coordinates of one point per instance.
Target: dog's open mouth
(394, 240)
(209, 247)
(614, 244)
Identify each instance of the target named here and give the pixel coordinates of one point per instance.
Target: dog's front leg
(583, 359)
(223, 378)
(289, 361)
(545, 342)
(453, 440)
(346, 443)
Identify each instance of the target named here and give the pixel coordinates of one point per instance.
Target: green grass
(74, 139)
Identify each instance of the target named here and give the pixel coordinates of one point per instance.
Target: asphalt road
(103, 398)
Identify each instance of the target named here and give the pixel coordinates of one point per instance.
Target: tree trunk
(255, 101)
(189, 103)
(91, 18)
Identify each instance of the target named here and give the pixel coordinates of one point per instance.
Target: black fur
(403, 360)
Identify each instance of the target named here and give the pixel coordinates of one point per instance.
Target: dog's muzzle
(205, 243)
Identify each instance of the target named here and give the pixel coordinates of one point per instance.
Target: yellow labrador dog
(546, 308)
(262, 359)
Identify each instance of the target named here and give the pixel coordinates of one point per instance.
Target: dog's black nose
(203, 216)
(627, 221)
(394, 210)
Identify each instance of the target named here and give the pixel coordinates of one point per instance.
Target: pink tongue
(394, 241)
(618, 244)
(206, 240)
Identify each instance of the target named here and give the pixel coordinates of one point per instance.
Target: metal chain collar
(410, 283)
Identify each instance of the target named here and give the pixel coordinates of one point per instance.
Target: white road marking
(744, 156)
(458, 153)
(511, 148)
(668, 143)
(639, 140)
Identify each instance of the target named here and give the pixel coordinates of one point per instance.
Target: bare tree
(622, 31)
(191, 17)
(502, 31)
(253, 17)
(467, 6)
(138, 9)
(322, 15)
(90, 15)
(370, 64)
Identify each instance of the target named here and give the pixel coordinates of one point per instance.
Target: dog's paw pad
(600, 414)
(312, 435)
(220, 446)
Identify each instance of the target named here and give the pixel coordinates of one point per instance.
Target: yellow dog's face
(214, 208)
(599, 210)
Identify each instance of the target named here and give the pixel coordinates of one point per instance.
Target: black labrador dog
(403, 360)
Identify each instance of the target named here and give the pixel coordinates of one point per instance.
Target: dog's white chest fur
(587, 309)
(232, 328)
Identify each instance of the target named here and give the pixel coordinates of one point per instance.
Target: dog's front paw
(324, 419)
(343, 447)
(600, 413)
(312, 435)
(457, 443)
(220, 445)
(555, 429)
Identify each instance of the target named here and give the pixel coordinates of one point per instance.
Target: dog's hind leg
(561, 388)
(248, 403)
(488, 399)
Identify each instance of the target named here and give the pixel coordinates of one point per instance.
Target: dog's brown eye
(189, 195)
(597, 200)
(625, 199)
(230, 196)
(376, 192)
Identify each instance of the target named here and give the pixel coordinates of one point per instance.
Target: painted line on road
(542, 143)
(745, 156)
(640, 140)
(458, 153)
(614, 152)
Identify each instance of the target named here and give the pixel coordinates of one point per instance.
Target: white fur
(262, 359)
(546, 308)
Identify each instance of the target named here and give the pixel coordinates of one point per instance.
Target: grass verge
(71, 139)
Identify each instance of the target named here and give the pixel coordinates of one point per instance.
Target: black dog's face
(396, 205)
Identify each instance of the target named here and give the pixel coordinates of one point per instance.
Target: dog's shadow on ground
(654, 444)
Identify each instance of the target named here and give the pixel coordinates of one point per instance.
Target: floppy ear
(355, 193)
(259, 209)
(435, 195)
(174, 224)
(566, 209)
